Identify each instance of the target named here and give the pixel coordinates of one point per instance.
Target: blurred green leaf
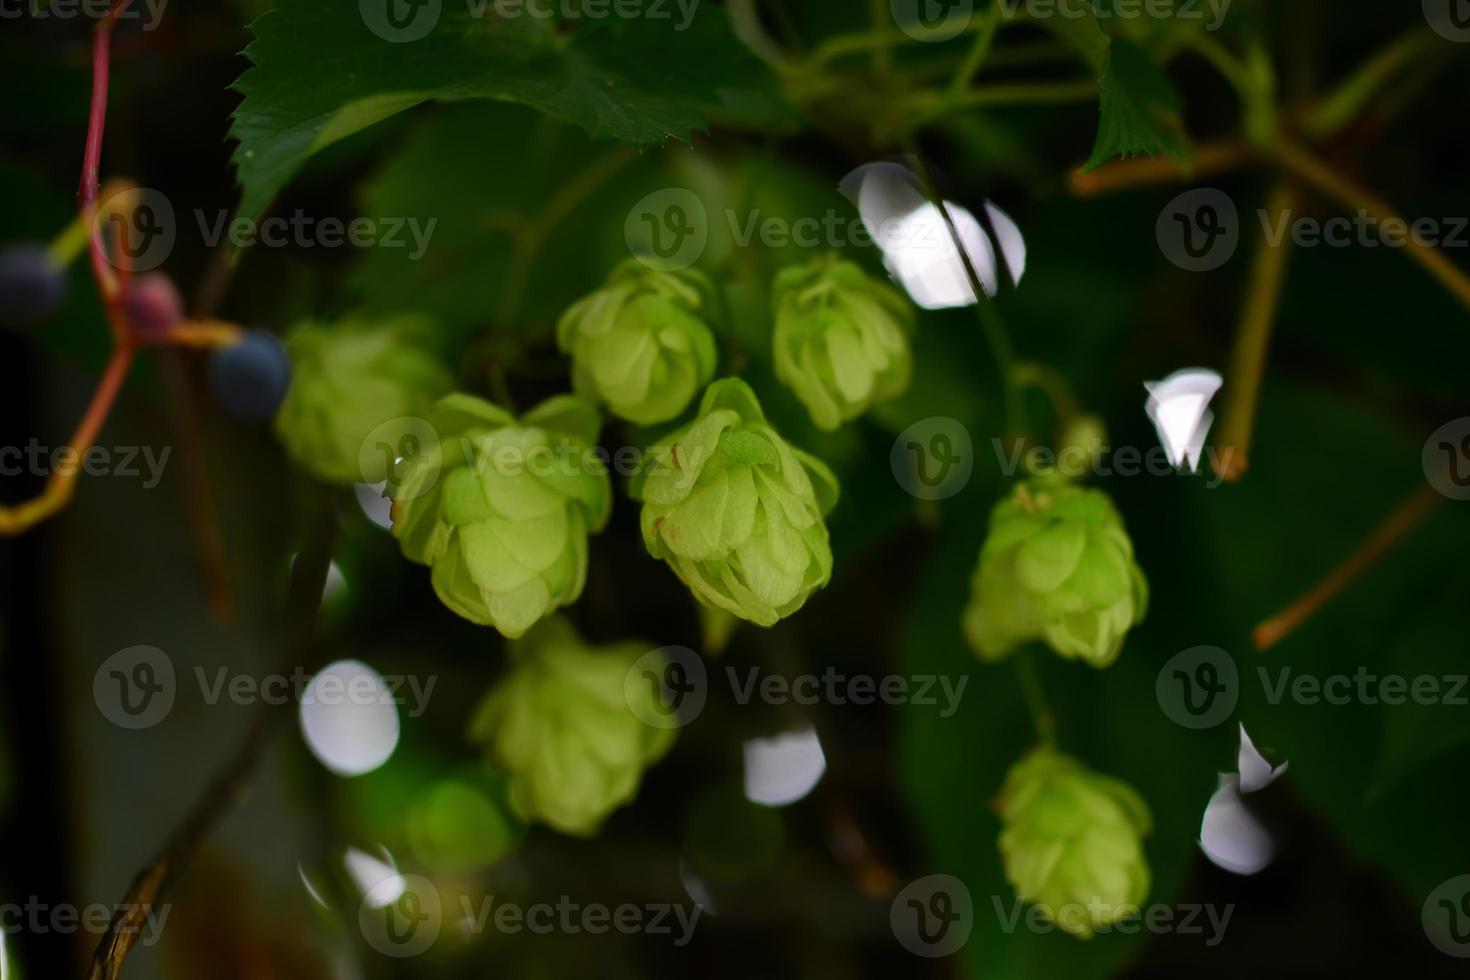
(322, 71)
(1140, 109)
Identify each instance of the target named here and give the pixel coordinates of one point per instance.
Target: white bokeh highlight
(349, 718)
(1231, 835)
(1180, 409)
(783, 769)
(917, 243)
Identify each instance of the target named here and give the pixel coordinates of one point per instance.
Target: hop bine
(501, 508)
(841, 341)
(1071, 842)
(1057, 565)
(737, 512)
(562, 726)
(639, 343)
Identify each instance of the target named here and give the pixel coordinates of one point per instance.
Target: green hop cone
(1057, 565)
(841, 340)
(1071, 842)
(346, 381)
(638, 343)
(736, 511)
(501, 508)
(560, 724)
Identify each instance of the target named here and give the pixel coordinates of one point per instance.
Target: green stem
(557, 210)
(1253, 340)
(978, 52)
(991, 324)
(1041, 717)
(1348, 99)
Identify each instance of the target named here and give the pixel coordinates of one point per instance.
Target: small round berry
(31, 285)
(250, 378)
(153, 305)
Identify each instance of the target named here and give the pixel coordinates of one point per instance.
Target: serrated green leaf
(321, 73)
(1140, 109)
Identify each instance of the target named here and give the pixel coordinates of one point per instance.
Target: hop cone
(1057, 565)
(638, 343)
(1071, 842)
(841, 339)
(561, 726)
(346, 381)
(736, 511)
(501, 509)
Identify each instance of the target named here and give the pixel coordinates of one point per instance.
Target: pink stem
(92, 157)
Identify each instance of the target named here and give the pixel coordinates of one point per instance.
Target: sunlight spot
(917, 244)
(1180, 409)
(349, 718)
(375, 507)
(783, 769)
(1231, 835)
(377, 879)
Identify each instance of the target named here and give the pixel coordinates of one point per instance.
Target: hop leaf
(736, 511)
(1057, 565)
(501, 509)
(347, 380)
(561, 725)
(1071, 842)
(841, 339)
(638, 343)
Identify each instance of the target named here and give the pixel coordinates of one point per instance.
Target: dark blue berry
(31, 285)
(250, 378)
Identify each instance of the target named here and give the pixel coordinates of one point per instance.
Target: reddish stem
(92, 155)
(102, 399)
